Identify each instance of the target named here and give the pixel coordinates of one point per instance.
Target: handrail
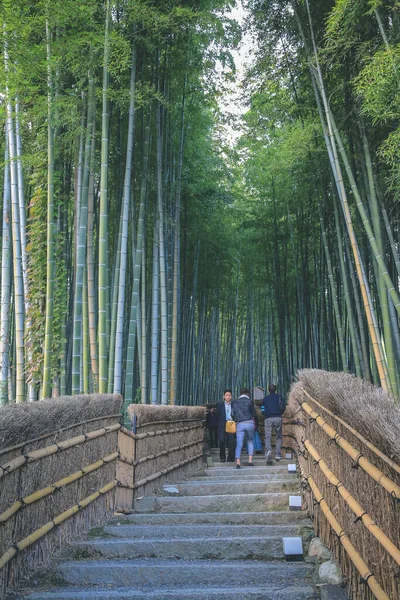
(362, 439)
(376, 474)
(360, 513)
(361, 566)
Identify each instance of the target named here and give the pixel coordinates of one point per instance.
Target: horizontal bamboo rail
(359, 459)
(39, 533)
(57, 432)
(144, 435)
(140, 461)
(360, 565)
(362, 439)
(19, 461)
(159, 474)
(360, 513)
(38, 495)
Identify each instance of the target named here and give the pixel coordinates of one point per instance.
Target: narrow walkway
(217, 536)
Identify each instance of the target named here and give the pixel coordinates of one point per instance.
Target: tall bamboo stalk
(81, 250)
(124, 234)
(163, 289)
(137, 267)
(5, 284)
(155, 317)
(175, 285)
(103, 223)
(16, 244)
(316, 75)
(92, 308)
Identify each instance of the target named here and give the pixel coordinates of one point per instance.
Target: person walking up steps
(244, 413)
(273, 406)
(225, 439)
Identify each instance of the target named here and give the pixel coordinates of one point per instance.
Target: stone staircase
(217, 536)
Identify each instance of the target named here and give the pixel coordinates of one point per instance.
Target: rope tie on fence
(364, 580)
(4, 470)
(359, 518)
(395, 496)
(357, 462)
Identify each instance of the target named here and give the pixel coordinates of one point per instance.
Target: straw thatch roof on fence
(21, 422)
(150, 413)
(367, 408)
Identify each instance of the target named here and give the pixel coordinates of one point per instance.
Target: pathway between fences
(218, 535)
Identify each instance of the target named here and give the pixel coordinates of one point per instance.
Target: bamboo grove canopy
(147, 251)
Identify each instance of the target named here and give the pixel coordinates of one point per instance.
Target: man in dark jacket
(273, 406)
(225, 439)
(212, 426)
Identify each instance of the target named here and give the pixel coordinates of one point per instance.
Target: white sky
(233, 101)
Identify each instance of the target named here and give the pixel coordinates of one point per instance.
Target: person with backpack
(273, 406)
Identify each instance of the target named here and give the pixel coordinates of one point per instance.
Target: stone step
(221, 470)
(264, 592)
(183, 531)
(155, 574)
(214, 518)
(201, 488)
(214, 503)
(195, 548)
(282, 464)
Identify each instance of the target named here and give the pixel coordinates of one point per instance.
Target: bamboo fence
(78, 466)
(57, 477)
(167, 445)
(350, 478)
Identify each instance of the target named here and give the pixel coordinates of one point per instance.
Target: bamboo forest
(162, 243)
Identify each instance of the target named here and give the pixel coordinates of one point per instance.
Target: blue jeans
(242, 428)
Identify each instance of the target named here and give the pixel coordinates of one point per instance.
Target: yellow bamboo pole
(354, 556)
(389, 485)
(142, 436)
(19, 461)
(39, 533)
(36, 496)
(360, 513)
(362, 439)
(159, 474)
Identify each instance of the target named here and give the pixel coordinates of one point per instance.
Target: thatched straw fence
(67, 464)
(347, 439)
(167, 445)
(57, 476)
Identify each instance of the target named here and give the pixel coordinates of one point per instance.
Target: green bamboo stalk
(81, 250)
(175, 286)
(383, 294)
(48, 338)
(137, 268)
(316, 76)
(124, 234)
(163, 290)
(347, 297)
(5, 284)
(92, 309)
(144, 330)
(155, 317)
(103, 220)
(16, 244)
